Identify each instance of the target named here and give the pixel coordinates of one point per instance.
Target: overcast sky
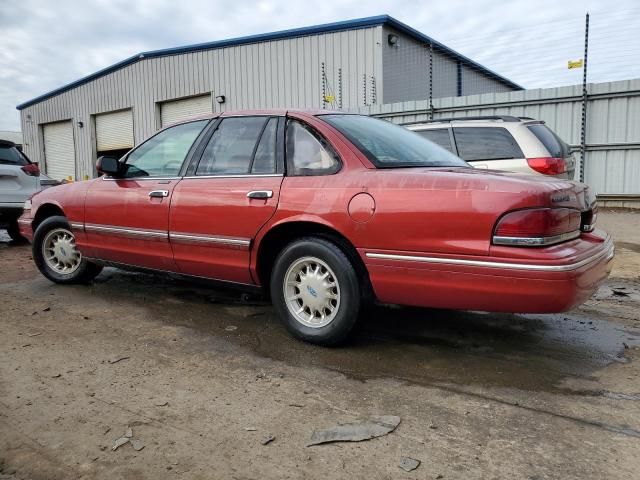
(46, 44)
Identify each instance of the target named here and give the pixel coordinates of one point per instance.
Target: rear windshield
(390, 146)
(554, 144)
(12, 156)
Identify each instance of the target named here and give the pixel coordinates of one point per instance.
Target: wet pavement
(530, 352)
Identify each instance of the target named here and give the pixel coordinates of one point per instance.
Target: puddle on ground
(530, 352)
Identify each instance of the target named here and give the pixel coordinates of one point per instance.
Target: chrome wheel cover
(60, 252)
(311, 292)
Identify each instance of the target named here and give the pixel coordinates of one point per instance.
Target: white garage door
(59, 151)
(114, 131)
(176, 110)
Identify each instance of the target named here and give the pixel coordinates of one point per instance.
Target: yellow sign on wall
(574, 64)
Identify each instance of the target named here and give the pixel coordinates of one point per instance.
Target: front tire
(316, 291)
(56, 255)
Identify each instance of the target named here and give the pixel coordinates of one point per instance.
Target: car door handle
(158, 193)
(263, 194)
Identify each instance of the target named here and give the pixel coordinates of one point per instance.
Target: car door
(127, 218)
(229, 192)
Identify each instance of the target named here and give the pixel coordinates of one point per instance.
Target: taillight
(548, 165)
(31, 169)
(537, 227)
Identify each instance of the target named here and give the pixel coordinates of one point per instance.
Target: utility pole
(583, 130)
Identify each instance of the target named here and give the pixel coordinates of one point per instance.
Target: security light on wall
(220, 99)
(393, 40)
(80, 124)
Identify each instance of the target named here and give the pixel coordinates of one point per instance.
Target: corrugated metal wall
(278, 73)
(406, 72)
(613, 124)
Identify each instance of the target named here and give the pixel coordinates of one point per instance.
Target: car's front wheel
(316, 291)
(56, 255)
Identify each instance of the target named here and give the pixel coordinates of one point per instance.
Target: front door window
(163, 154)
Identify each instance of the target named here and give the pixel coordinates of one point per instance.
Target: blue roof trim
(263, 37)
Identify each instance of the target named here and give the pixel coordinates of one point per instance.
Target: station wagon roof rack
(504, 118)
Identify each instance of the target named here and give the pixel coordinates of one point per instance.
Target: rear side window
(12, 156)
(439, 136)
(486, 143)
(307, 153)
(231, 148)
(264, 160)
(554, 144)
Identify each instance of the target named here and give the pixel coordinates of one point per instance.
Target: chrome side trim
(111, 179)
(241, 243)
(22, 221)
(261, 175)
(127, 232)
(608, 252)
(76, 225)
(536, 241)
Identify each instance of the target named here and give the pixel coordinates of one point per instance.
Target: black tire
(346, 279)
(85, 272)
(13, 230)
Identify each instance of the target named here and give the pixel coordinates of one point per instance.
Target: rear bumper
(492, 284)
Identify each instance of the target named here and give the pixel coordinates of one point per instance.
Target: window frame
(452, 139)
(185, 162)
(203, 142)
(326, 144)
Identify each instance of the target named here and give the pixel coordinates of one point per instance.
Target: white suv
(19, 179)
(513, 144)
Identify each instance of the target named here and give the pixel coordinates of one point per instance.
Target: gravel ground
(203, 377)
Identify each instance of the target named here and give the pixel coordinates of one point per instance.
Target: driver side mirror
(109, 166)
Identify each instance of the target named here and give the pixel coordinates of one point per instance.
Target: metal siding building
(339, 65)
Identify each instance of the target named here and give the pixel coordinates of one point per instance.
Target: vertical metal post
(340, 88)
(430, 80)
(583, 129)
(373, 90)
(364, 89)
(324, 87)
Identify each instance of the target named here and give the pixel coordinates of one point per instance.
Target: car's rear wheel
(56, 255)
(13, 230)
(316, 291)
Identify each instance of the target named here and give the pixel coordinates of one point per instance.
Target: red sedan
(322, 210)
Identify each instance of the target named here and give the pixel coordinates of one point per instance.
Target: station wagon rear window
(556, 147)
(486, 143)
(390, 146)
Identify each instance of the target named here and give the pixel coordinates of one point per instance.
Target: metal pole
(583, 131)
(430, 80)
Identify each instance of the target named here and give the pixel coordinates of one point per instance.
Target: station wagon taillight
(537, 227)
(31, 169)
(548, 165)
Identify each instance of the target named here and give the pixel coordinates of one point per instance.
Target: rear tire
(56, 255)
(316, 291)
(13, 230)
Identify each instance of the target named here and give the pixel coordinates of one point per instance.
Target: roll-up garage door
(114, 131)
(176, 110)
(59, 150)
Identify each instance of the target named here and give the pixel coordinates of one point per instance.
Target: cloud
(46, 44)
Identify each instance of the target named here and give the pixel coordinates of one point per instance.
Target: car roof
(279, 112)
